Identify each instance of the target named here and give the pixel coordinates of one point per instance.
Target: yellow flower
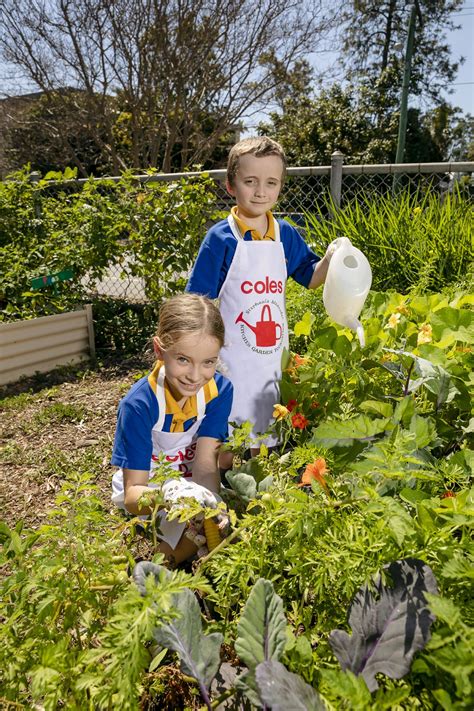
(280, 411)
(417, 210)
(393, 321)
(425, 334)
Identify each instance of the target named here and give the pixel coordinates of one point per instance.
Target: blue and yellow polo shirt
(255, 234)
(138, 413)
(218, 248)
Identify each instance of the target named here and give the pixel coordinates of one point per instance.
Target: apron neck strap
(160, 396)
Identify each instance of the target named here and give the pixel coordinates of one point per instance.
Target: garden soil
(54, 423)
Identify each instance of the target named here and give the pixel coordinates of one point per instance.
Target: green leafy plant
(412, 241)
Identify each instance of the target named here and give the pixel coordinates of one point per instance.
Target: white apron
(179, 449)
(252, 304)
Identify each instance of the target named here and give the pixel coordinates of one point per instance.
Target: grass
(412, 241)
(22, 400)
(59, 412)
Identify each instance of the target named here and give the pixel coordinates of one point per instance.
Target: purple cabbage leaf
(389, 623)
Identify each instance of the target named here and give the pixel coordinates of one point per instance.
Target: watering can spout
(240, 319)
(355, 325)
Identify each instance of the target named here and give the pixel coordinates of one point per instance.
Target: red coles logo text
(268, 286)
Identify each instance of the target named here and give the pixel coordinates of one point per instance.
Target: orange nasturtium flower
(280, 411)
(317, 471)
(425, 334)
(299, 421)
(299, 360)
(291, 404)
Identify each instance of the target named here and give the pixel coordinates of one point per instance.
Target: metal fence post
(34, 178)
(337, 159)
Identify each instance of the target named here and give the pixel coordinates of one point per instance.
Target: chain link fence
(307, 188)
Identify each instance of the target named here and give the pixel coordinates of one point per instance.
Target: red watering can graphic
(266, 330)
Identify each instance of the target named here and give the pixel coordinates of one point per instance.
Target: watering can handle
(335, 244)
(266, 309)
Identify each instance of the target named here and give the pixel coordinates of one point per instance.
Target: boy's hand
(331, 248)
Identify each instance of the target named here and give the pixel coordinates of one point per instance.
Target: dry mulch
(54, 422)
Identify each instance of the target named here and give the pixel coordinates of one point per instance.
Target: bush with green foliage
(152, 231)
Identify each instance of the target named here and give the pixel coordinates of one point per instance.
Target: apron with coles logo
(179, 448)
(252, 304)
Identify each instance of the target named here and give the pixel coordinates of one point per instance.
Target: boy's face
(257, 184)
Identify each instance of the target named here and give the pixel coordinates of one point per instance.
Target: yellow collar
(180, 414)
(270, 233)
(189, 408)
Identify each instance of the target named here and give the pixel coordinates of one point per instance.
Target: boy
(244, 261)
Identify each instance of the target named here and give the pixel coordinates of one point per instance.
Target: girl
(180, 410)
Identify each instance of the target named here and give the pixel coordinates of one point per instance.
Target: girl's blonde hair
(259, 146)
(187, 314)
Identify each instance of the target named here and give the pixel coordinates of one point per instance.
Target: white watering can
(347, 284)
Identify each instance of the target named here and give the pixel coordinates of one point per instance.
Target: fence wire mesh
(305, 190)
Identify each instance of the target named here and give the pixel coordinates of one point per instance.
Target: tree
(374, 33)
(361, 116)
(46, 132)
(158, 82)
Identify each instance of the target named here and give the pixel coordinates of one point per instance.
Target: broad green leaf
(282, 690)
(424, 430)
(325, 338)
(342, 346)
(243, 484)
(400, 527)
(404, 410)
(425, 518)
(376, 407)
(303, 327)
(457, 323)
(261, 631)
(199, 653)
(303, 649)
(444, 699)
(337, 433)
(412, 496)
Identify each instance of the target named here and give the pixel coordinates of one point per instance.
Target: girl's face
(190, 363)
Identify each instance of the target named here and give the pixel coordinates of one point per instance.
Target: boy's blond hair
(259, 146)
(187, 314)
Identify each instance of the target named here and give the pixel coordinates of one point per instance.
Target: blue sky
(462, 43)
